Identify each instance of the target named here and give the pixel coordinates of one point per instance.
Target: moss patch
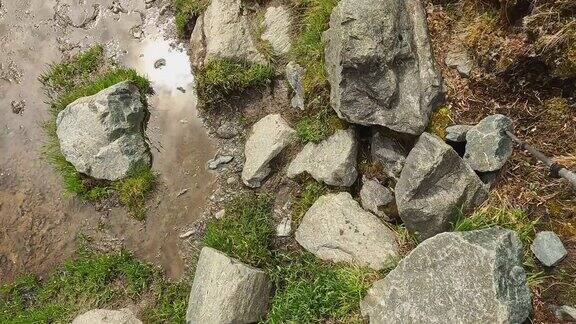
(85, 75)
(440, 119)
(92, 280)
(223, 78)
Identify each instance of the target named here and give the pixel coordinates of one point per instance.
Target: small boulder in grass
(548, 248)
(226, 290)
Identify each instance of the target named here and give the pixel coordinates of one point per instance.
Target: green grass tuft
(185, 11)
(311, 291)
(134, 189)
(221, 78)
(319, 126)
(305, 199)
(90, 280)
(245, 231)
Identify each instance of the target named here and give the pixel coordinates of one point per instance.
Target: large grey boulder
(487, 145)
(380, 66)
(548, 248)
(267, 138)
(457, 277)
(105, 316)
(337, 229)
(332, 161)
(375, 197)
(226, 290)
(389, 153)
(103, 135)
(276, 28)
(223, 31)
(435, 187)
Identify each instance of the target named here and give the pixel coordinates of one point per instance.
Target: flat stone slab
(455, 277)
(106, 316)
(548, 248)
(332, 161)
(226, 290)
(337, 229)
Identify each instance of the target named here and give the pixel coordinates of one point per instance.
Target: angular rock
(375, 197)
(219, 160)
(380, 66)
(457, 133)
(435, 186)
(277, 21)
(284, 228)
(226, 290)
(223, 31)
(389, 153)
(332, 161)
(487, 146)
(336, 228)
(294, 75)
(103, 135)
(548, 248)
(105, 316)
(460, 61)
(268, 137)
(456, 277)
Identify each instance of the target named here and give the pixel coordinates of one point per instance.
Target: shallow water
(38, 224)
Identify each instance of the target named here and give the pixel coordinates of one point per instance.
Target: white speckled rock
(548, 248)
(105, 316)
(226, 290)
(487, 146)
(456, 277)
(332, 161)
(457, 133)
(336, 228)
(276, 26)
(103, 135)
(267, 138)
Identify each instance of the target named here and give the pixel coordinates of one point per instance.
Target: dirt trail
(38, 223)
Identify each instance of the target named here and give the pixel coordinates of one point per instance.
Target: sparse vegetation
(85, 75)
(92, 280)
(222, 78)
(244, 233)
(305, 199)
(318, 126)
(185, 12)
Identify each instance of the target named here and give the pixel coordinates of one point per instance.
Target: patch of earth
(38, 223)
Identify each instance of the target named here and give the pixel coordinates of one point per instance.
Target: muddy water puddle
(38, 223)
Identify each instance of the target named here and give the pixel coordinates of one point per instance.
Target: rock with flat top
(435, 187)
(226, 290)
(337, 229)
(332, 161)
(276, 28)
(105, 316)
(223, 31)
(102, 135)
(375, 197)
(548, 248)
(380, 66)
(455, 277)
(487, 145)
(267, 138)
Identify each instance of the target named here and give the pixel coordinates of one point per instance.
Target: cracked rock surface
(337, 229)
(456, 277)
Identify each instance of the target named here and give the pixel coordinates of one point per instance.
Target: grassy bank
(93, 280)
(84, 75)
